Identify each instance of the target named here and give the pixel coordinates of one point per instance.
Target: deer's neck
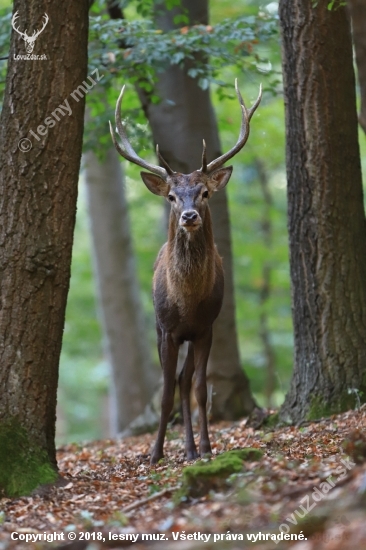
(191, 258)
(191, 251)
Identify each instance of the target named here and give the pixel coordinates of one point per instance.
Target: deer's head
(29, 40)
(188, 194)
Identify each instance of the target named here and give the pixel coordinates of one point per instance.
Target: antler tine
(14, 18)
(127, 151)
(163, 161)
(244, 127)
(46, 19)
(37, 33)
(204, 158)
(256, 103)
(253, 108)
(246, 115)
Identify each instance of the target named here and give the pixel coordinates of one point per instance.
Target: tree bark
(38, 191)
(326, 218)
(126, 341)
(182, 119)
(358, 13)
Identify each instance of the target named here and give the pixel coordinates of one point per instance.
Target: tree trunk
(358, 13)
(326, 219)
(38, 191)
(126, 340)
(182, 119)
(265, 291)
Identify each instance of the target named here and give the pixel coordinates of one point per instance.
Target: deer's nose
(189, 216)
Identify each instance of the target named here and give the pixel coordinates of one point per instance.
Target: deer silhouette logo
(29, 40)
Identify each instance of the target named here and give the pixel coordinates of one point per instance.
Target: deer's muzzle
(190, 220)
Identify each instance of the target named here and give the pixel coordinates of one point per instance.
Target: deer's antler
(14, 18)
(37, 33)
(127, 151)
(246, 115)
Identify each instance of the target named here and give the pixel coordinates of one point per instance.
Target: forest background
(257, 203)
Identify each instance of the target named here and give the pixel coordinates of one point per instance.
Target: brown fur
(188, 289)
(189, 264)
(188, 281)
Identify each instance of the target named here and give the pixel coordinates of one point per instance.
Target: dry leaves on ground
(111, 489)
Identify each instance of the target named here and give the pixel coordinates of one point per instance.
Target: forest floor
(310, 481)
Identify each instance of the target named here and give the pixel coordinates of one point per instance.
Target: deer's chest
(186, 306)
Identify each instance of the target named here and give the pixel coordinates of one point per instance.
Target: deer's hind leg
(185, 384)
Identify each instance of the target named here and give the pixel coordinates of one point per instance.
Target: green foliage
(23, 465)
(5, 26)
(333, 5)
(336, 4)
(137, 50)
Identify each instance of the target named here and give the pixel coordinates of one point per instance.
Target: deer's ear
(219, 178)
(155, 184)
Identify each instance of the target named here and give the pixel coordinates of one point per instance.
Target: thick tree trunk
(358, 13)
(179, 123)
(326, 218)
(126, 340)
(38, 191)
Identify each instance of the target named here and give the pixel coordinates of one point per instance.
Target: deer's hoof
(155, 457)
(192, 454)
(205, 450)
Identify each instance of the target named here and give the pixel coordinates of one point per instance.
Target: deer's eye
(205, 194)
(171, 198)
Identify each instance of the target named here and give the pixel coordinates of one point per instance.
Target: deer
(29, 40)
(188, 280)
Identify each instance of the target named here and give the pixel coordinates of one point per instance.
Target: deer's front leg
(202, 348)
(169, 356)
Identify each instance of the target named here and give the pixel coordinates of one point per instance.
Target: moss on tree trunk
(24, 465)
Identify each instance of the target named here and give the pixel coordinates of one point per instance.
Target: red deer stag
(188, 282)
